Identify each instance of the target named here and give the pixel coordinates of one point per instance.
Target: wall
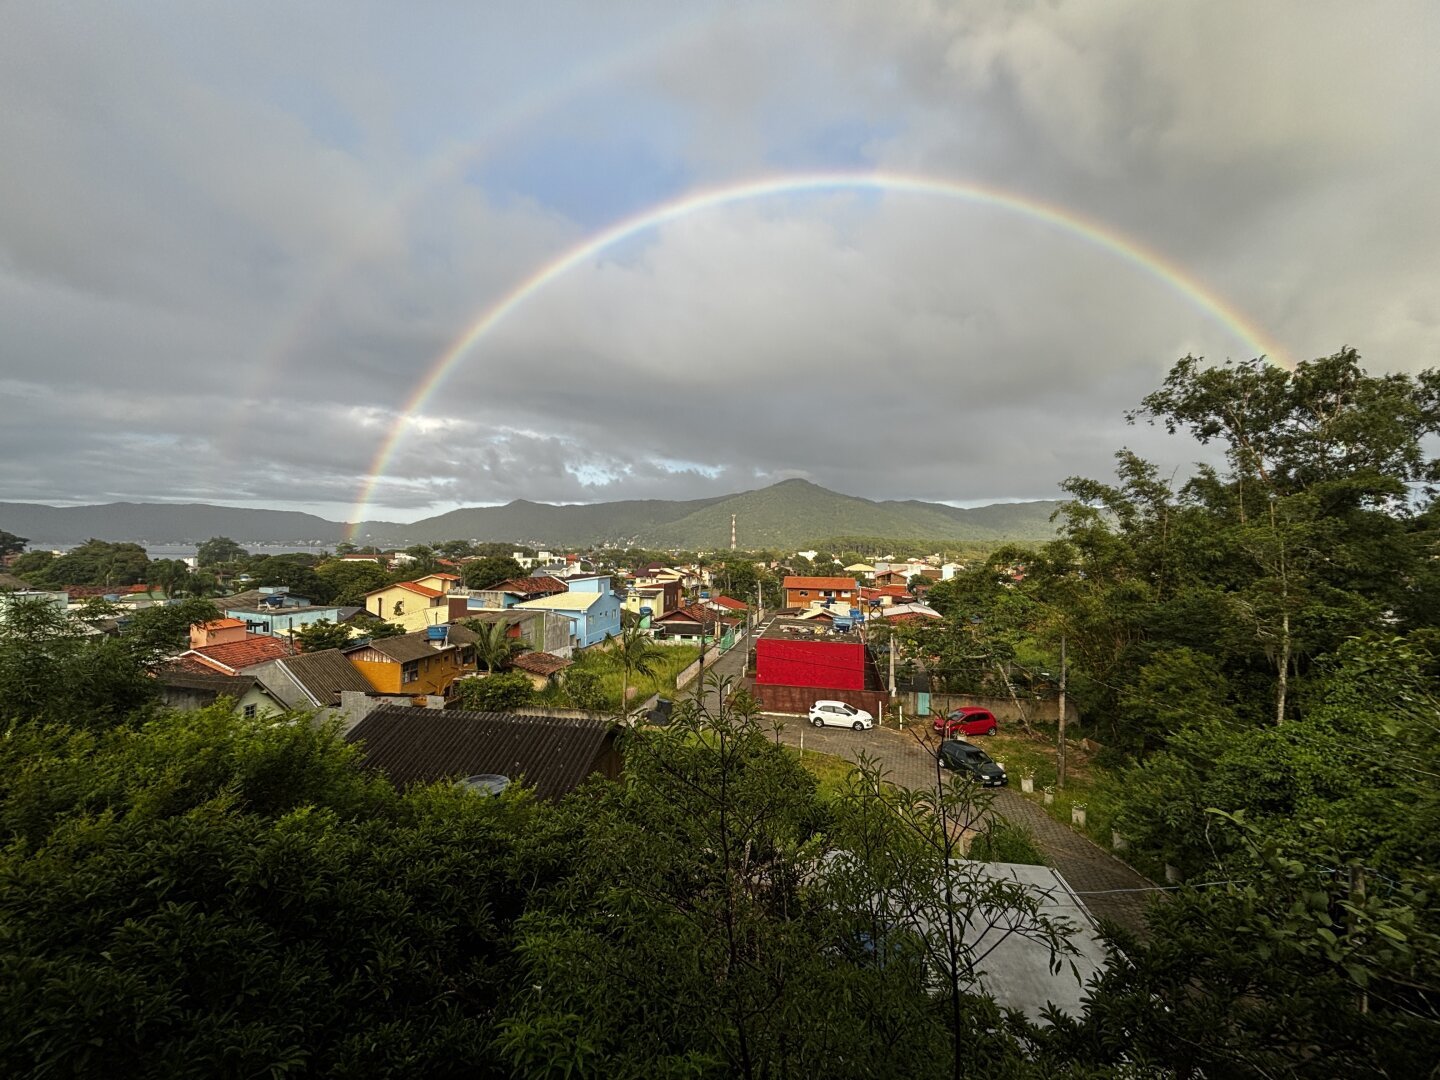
(436, 674)
(784, 662)
(1003, 707)
(796, 700)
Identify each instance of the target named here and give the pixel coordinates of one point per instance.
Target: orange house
(803, 592)
(409, 664)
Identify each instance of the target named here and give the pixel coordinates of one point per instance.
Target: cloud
(232, 248)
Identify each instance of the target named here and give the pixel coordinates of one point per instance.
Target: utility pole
(1060, 755)
(892, 663)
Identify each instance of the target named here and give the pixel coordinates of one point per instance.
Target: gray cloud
(231, 248)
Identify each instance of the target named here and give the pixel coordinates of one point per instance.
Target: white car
(840, 714)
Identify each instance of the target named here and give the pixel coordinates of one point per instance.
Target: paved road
(1110, 889)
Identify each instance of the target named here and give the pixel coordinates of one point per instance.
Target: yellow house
(410, 604)
(408, 664)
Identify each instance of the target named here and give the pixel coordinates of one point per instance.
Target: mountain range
(790, 514)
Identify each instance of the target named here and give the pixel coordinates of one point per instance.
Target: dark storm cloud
(231, 248)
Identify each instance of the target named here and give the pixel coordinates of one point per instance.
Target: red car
(970, 720)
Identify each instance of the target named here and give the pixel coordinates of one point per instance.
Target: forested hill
(793, 513)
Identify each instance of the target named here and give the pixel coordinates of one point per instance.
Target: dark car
(967, 758)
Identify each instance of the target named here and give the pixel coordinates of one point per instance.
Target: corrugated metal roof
(405, 647)
(324, 674)
(419, 746)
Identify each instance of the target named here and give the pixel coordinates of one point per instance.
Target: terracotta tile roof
(222, 624)
(420, 746)
(416, 587)
(697, 613)
(81, 592)
(445, 577)
(727, 602)
(255, 649)
(842, 583)
(531, 586)
(324, 674)
(541, 663)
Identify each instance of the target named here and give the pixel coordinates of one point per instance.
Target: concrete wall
(1003, 707)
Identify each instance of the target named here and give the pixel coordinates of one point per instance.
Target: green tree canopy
(219, 550)
(490, 571)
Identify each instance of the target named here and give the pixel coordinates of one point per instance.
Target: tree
(219, 550)
(488, 572)
(635, 654)
(349, 580)
(10, 544)
(456, 549)
(323, 634)
(503, 692)
(205, 894)
(95, 562)
(494, 647)
(53, 673)
(170, 575)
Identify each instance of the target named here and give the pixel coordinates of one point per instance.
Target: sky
(237, 242)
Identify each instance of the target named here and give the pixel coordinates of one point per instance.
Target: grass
(669, 662)
(830, 772)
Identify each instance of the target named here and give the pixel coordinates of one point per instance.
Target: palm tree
(634, 652)
(494, 647)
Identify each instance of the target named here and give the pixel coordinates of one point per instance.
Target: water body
(186, 551)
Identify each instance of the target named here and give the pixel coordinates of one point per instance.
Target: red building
(803, 592)
(801, 653)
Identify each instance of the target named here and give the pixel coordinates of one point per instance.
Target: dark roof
(539, 585)
(212, 684)
(324, 674)
(402, 647)
(541, 663)
(420, 746)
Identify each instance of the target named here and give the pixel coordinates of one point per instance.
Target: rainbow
(1102, 236)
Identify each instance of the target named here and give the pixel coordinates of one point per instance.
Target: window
(249, 712)
(409, 673)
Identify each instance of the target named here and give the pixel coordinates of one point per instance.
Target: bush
(585, 689)
(1003, 841)
(496, 693)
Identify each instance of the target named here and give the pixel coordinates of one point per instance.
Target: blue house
(593, 610)
(278, 612)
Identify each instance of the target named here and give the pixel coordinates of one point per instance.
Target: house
(725, 603)
(188, 685)
(506, 594)
(660, 597)
(416, 664)
(884, 596)
(315, 680)
(234, 657)
(59, 601)
(794, 652)
(544, 631)
(217, 632)
(803, 592)
(861, 570)
(950, 569)
(541, 667)
(421, 746)
(414, 605)
(591, 607)
(275, 611)
(692, 625)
